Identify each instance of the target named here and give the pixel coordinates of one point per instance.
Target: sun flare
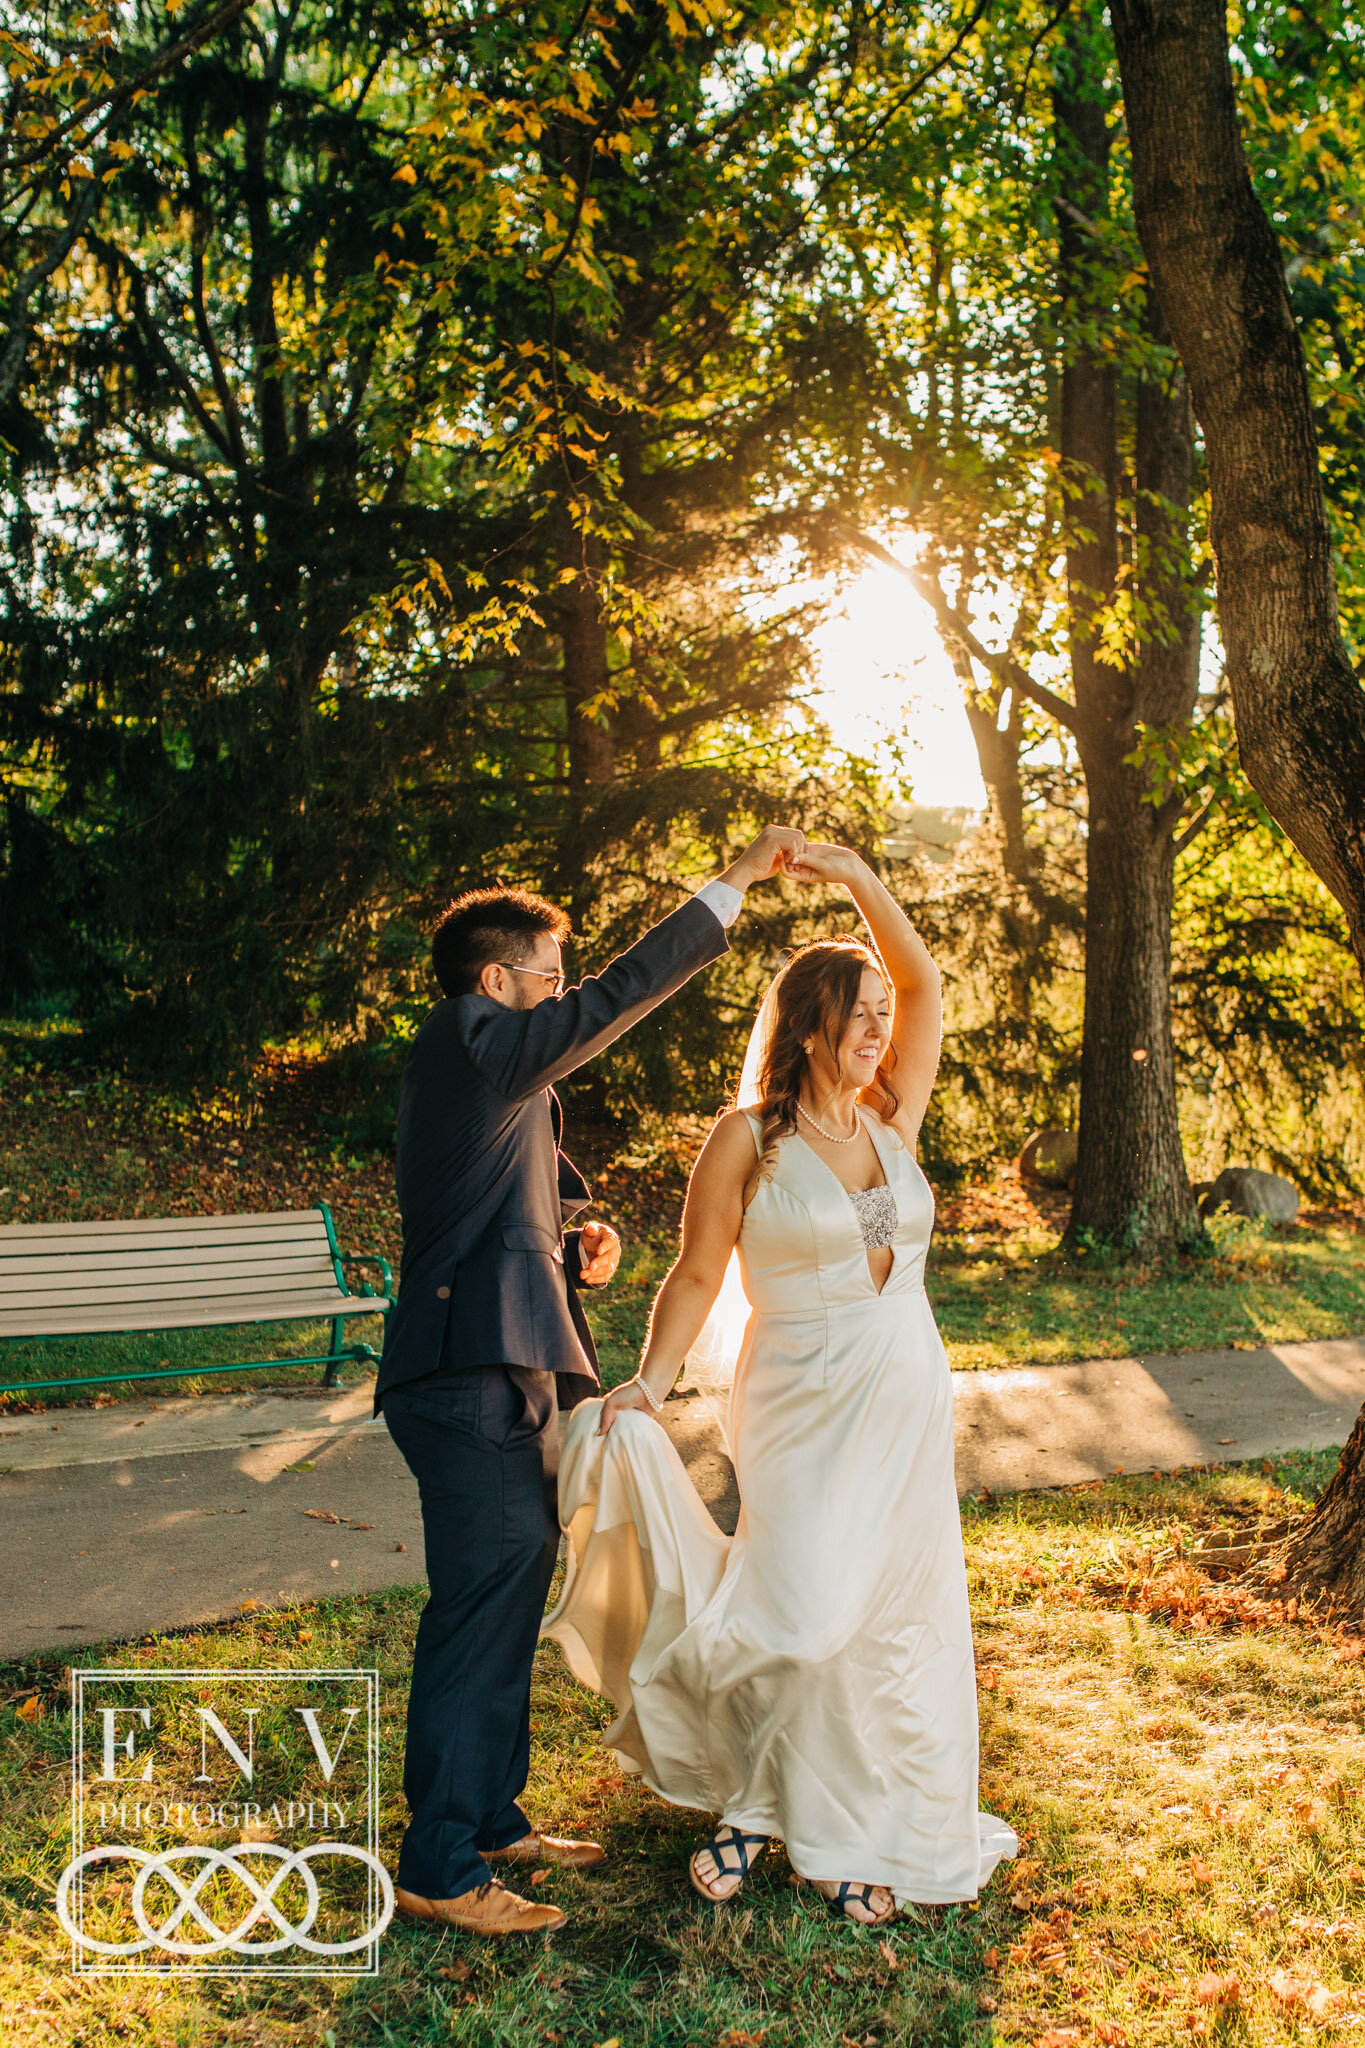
(887, 689)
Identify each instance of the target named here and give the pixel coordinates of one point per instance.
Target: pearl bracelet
(655, 1404)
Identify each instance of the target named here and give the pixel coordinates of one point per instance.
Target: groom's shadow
(696, 1437)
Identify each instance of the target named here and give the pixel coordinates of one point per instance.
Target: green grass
(1189, 1794)
(1013, 1305)
(79, 1143)
(1017, 1305)
(190, 1354)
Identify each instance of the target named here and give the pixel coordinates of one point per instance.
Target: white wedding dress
(811, 1679)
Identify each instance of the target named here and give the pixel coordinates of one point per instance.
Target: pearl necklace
(833, 1137)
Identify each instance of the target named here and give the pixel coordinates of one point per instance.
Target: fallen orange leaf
(1223, 1816)
(1200, 1871)
(1302, 1993)
(29, 1709)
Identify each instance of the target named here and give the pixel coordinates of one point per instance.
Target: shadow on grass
(643, 1961)
(190, 1355)
(1186, 1803)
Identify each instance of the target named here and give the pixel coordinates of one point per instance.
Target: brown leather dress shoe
(549, 1849)
(489, 1909)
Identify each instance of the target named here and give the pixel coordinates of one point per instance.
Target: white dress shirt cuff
(721, 899)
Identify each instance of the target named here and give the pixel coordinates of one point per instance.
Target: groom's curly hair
(815, 998)
(485, 925)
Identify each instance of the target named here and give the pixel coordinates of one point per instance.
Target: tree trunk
(1026, 910)
(1218, 273)
(1324, 1559)
(587, 682)
(1131, 1193)
(997, 755)
(1300, 711)
(591, 744)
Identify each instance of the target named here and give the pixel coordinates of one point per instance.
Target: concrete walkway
(159, 1514)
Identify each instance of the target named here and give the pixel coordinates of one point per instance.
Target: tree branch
(1197, 822)
(16, 309)
(160, 60)
(954, 627)
(232, 419)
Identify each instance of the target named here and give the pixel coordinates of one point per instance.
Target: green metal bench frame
(376, 1302)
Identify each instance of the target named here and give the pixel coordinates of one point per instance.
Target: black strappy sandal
(862, 1894)
(738, 1843)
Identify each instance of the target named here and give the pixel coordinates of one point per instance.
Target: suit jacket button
(443, 1294)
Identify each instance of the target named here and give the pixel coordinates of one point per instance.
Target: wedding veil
(710, 1364)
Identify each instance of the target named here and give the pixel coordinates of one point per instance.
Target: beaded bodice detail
(802, 1250)
(878, 1217)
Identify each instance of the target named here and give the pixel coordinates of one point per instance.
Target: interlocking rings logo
(261, 1900)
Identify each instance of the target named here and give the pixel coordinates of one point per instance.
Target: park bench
(182, 1273)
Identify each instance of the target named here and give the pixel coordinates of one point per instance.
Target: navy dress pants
(483, 1446)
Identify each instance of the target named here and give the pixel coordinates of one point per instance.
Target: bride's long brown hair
(816, 998)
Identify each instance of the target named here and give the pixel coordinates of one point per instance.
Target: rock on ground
(1049, 1158)
(1249, 1192)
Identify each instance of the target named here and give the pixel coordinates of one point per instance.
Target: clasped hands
(785, 850)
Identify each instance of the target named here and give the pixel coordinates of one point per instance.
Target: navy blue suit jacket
(483, 1187)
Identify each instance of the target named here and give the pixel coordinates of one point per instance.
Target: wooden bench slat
(167, 1237)
(251, 1217)
(77, 1294)
(200, 1314)
(135, 1275)
(111, 1256)
(53, 1275)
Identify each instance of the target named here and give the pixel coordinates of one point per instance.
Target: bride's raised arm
(916, 987)
(712, 1217)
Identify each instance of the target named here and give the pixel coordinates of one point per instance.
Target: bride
(812, 1679)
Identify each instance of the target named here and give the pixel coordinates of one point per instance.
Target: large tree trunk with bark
(591, 747)
(587, 686)
(1132, 1193)
(1218, 273)
(1300, 710)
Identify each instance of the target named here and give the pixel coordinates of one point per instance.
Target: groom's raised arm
(520, 1052)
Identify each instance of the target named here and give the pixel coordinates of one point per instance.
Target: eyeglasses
(541, 973)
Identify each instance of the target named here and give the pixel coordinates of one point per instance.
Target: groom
(489, 1338)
